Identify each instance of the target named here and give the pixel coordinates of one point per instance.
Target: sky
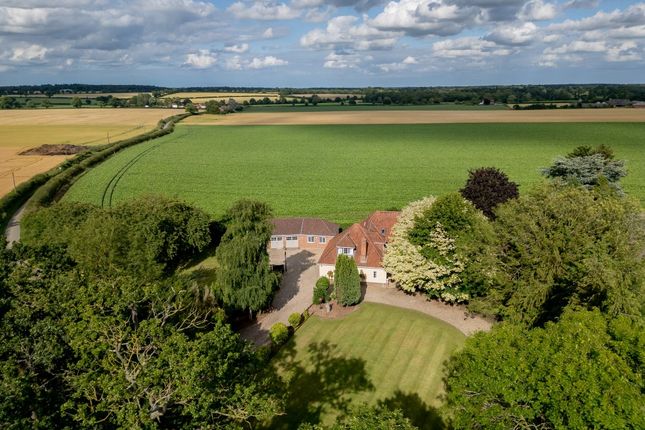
(321, 43)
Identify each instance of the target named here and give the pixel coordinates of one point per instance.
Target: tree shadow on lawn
(325, 383)
(422, 415)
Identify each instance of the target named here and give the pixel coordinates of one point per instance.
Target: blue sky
(323, 43)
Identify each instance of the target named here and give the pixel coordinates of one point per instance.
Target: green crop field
(343, 172)
(335, 107)
(376, 354)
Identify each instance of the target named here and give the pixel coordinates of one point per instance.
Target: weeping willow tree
(244, 277)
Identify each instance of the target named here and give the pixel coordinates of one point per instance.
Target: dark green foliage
(79, 352)
(244, 278)
(295, 319)
(347, 281)
(566, 245)
(585, 151)
(145, 237)
(487, 187)
(321, 289)
(456, 216)
(279, 333)
(56, 224)
(574, 374)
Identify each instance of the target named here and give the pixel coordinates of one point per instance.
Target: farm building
(365, 242)
(302, 233)
(619, 102)
(638, 105)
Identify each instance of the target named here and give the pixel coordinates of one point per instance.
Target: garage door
(292, 241)
(276, 242)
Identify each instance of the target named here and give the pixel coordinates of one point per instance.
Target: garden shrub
(347, 281)
(321, 289)
(295, 319)
(279, 333)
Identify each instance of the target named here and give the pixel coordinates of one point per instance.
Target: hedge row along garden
(342, 173)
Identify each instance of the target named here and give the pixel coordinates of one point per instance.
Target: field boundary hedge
(45, 188)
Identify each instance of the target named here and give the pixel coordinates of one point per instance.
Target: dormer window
(346, 251)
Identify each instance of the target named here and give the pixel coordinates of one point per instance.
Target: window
(346, 251)
(374, 274)
(276, 238)
(292, 237)
(323, 239)
(383, 231)
(311, 239)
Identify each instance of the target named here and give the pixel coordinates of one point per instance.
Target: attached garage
(291, 241)
(276, 242)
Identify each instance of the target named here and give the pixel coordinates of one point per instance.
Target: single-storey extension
(365, 242)
(302, 233)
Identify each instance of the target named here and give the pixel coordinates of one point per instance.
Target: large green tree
(146, 237)
(244, 277)
(582, 372)
(563, 245)
(347, 281)
(97, 352)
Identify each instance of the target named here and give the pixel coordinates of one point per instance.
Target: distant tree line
(504, 94)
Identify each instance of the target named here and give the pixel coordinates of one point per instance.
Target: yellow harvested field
(421, 117)
(24, 129)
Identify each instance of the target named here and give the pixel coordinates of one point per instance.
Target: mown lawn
(343, 172)
(378, 354)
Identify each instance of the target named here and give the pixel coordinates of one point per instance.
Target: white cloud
(421, 17)
(344, 32)
(342, 61)
(523, 34)
(263, 10)
(201, 60)
(268, 33)
(233, 63)
(468, 47)
(627, 51)
(538, 10)
(264, 62)
(238, 49)
(394, 67)
(28, 53)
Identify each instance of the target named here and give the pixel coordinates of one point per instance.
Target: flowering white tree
(414, 272)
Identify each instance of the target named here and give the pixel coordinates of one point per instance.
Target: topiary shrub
(347, 282)
(487, 187)
(279, 333)
(321, 290)
(295, 319)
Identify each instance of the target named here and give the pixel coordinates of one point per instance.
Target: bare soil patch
(63, 149)
(421, 117)
(337, 311)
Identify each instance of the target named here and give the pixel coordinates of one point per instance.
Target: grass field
(335, 107)
(376, 354)
(343, 172)
(22, 129)
(205, 96)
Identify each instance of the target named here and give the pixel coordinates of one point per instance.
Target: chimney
(364, 250)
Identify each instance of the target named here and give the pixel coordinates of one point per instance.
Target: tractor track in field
(108, 191)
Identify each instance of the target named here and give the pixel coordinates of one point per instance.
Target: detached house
(302, 233)
(365, 242)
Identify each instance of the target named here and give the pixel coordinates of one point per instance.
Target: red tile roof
(304, 226)
(367, 238)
